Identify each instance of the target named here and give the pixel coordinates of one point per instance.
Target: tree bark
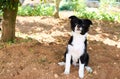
(56, 13)
(8, 24)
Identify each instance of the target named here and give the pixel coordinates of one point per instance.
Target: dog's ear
(73, 17)
(87, 21)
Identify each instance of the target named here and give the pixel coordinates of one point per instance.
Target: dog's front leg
(81, 69)
(67, 64)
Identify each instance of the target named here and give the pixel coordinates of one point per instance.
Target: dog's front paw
(66, 72)
(61, 63)
(70, 47)
(89, 69)
(81, 75)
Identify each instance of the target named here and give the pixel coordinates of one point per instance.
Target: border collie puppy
(76, 52)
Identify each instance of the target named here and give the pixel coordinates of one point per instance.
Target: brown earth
(40, 45)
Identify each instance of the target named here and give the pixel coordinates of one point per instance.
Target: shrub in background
(39, 10)
(78, 6)
(68, 6)
(72, 5)
(100, 15)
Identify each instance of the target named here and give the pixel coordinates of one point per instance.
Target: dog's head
(80, 25)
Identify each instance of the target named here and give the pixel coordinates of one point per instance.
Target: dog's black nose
(78, 26)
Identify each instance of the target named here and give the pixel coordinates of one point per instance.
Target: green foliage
(39, 10)
(68, 6)
(107, 16)
(100, 15)
(82, 11)
(105, 3)
(71, 5)
(1, 12)
(85, 14)
(75, 5)
(9, 4)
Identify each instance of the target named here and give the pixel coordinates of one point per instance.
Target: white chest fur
(78, 46)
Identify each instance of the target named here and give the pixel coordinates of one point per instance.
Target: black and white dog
(76, 52)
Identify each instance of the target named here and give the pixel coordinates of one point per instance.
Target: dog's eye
(76, 24)
(83, 24)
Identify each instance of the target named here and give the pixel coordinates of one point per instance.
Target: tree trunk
(56, 13)
(8, 24)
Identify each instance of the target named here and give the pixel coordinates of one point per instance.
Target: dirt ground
(41, 43)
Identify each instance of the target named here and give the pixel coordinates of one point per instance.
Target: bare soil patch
(41, 45)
